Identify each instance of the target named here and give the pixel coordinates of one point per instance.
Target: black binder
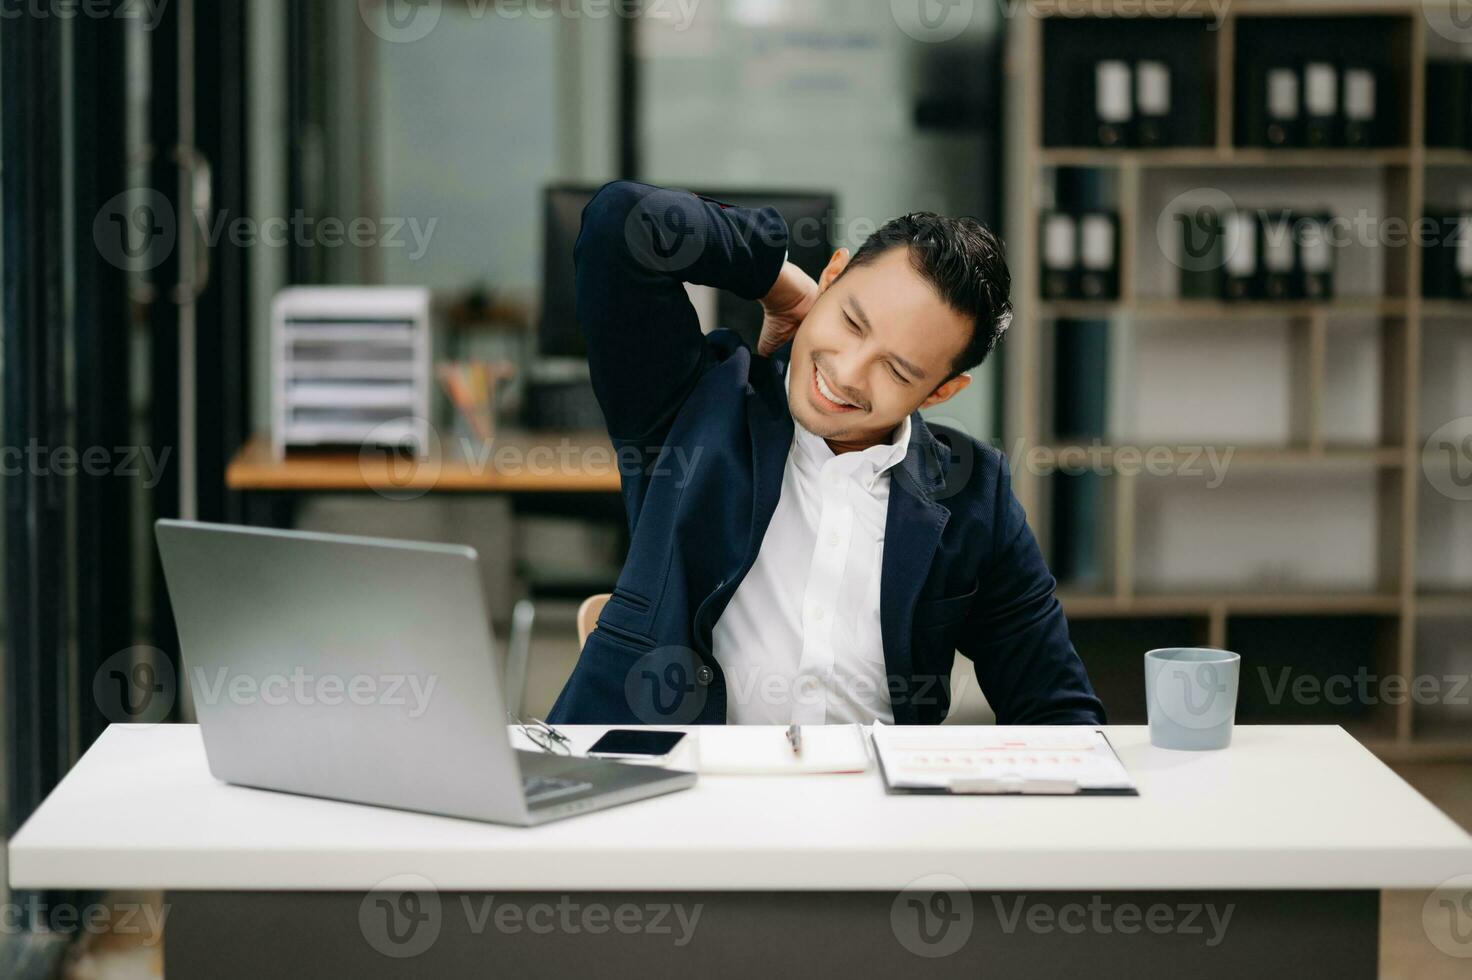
(1315, 256)
(1448, 104)
(1280, 269)
(1361, 101)
(1270, 108)
(1439, 257)
(1152, 104)
(1113, 103)
(1200, 259)
(1058, 246)
(1321, 116)
(1241, 279)
(1098, 255)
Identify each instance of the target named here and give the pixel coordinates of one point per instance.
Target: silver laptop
(362, 669)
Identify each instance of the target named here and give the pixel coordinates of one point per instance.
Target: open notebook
(1002, 759)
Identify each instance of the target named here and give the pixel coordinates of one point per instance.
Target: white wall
(812, 96)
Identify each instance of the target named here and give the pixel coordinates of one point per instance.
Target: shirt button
(818, 613)
(833, 540)
(704, 675)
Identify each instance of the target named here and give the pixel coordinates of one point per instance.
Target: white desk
(1291, 810)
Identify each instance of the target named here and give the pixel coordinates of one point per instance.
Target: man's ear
(947, 391)
(833, 269)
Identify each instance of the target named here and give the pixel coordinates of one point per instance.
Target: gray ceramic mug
(1191, 697)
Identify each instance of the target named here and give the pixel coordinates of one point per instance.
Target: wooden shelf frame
(1400, 313)
(1255, 311)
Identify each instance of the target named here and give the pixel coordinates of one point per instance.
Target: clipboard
(1000, 761)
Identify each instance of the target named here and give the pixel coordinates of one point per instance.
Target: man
(804, 548)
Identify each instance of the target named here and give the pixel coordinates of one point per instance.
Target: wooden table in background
(517, 462)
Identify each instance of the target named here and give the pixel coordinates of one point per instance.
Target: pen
(794, 738)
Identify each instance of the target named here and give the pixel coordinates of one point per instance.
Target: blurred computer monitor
(810, 217)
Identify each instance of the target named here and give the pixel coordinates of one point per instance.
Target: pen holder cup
(1191, 697)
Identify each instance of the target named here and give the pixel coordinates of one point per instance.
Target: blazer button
(704, 675)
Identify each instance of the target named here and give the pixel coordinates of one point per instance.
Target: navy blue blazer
(702, 431)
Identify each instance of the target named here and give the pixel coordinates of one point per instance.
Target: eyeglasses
(545, 737)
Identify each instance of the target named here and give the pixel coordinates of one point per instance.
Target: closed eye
(897, 375)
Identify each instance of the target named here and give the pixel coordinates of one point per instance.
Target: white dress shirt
(800, 639)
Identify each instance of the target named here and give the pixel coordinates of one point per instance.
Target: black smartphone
(635, 743)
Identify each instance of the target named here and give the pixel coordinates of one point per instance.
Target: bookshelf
(1380, 614)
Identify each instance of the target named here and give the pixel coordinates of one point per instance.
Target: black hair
(966, 265)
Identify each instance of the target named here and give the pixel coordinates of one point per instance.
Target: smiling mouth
(826, 397)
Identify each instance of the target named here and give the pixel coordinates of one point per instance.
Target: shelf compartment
(1114, 651)
(1369, 217)
(1187, 45)
(1379, 41)
(1449, 309)
(1257, 532)
(1088, 606)
(1441, 157)
(1208, 309)
(1229, 157)
(1073, 456)
(1445, 605)
(1316, 669)
(1441, 695)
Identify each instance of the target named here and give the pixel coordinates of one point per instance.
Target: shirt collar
(866, 465)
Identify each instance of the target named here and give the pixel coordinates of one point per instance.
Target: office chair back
(588, 615)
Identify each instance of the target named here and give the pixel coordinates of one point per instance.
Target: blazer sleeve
(637, 247)
(1016, 635)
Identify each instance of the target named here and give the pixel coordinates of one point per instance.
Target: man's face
(877, 344)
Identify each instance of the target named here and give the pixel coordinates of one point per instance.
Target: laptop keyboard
(540, 789)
